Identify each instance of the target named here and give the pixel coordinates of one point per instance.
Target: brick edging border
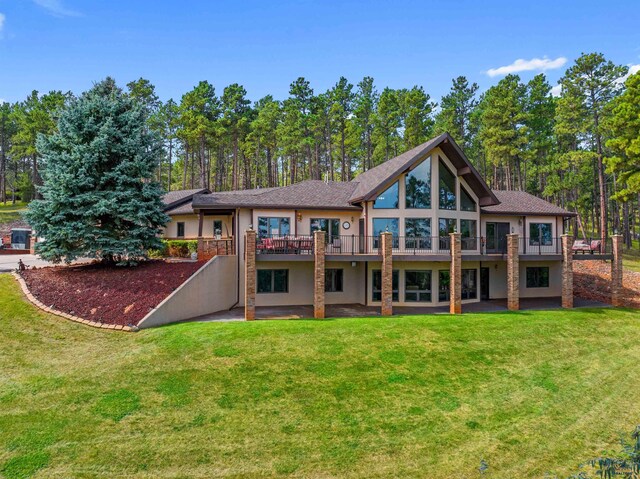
(77, 319)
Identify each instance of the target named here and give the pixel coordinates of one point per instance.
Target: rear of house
(431, 204)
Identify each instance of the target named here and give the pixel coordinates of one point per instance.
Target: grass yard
(427, 396)
(10, 213)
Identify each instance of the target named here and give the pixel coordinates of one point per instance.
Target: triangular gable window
(388, 199)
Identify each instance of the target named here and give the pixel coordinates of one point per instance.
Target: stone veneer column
(200, 248)
(513, 273)
(455, 274)
(567, 272)
(250, 275)
(387, 274)
(319, 246)
(616, 271)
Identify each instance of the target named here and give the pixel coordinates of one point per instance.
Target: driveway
(9, 262)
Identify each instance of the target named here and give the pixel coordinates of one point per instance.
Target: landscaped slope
(406, 397)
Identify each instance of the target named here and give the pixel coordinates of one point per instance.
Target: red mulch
(108, 294)
(592, 280)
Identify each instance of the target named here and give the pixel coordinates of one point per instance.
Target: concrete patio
(357, 310)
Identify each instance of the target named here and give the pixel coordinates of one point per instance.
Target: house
(422, 229)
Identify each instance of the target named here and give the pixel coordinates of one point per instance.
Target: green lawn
(9, 212)
(421, 396)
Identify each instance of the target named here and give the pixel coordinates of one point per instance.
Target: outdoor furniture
(584, 246)
(5, 242)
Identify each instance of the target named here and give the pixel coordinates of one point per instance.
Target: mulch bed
(592, 280)
(108, 294)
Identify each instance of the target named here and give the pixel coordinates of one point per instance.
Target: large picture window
(418, 186)
(469, 288)
(330, 226)
(376, 289)
(443, 285)
(388, 199)
(538, 277)
(447, 190)
(273, 226)
(540, 234)
(467, 203)
(468, 234)
(446, 226)
(273, 280)
(417, 286)
(382, 225)
(333, 280)
(417, 232)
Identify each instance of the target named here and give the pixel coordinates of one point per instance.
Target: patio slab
(358, 310)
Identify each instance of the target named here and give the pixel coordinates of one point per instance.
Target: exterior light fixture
(353, 264)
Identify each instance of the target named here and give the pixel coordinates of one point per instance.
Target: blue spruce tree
(99, 199)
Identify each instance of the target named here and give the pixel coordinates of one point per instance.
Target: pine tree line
(578, 149)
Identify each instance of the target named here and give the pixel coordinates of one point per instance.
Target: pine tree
(456, 108)
(99, 198)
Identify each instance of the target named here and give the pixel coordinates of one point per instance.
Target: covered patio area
(358, 310)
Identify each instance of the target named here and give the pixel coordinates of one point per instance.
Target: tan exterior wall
(191, 226)
(498, 279)
(212, 288)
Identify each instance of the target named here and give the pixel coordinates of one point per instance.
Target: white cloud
(633, 69)
(56, 8)
(556, 90)
(2, 19)
(521, 65)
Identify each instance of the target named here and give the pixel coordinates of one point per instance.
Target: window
(273, 280)
(468, 234)
(388, 199)
(466, 201)
(377, 285)
(330, 226)
(180, 229)
(418, 186)
(446, 226)
(217, 227)
(333, 280)
(273, 226)
(443, 285)
(447, 187)
(382, 225)
(417, 286)
(469, 284)
(540, 234)
(538, 277)
(417, 233)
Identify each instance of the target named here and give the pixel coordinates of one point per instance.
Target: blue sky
(264, 45)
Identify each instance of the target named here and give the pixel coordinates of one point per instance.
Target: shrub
(181, 248)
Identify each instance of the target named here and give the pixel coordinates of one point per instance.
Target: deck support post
(250, 275)
(455, 274)
(200, 238)
(319, 246)
(386, 240)
(567, 272)
(513, 273)
(616, 271)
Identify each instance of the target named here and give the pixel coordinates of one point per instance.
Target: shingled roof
(523, 203)
(310, 194)
(173, 199)
(375, 180)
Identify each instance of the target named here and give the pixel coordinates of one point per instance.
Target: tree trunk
(185, 166)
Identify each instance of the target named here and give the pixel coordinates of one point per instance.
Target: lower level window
(377, 285)
(417, 286)
(333, 280)
(469, 284)
(180, 229)
(443, 285)
(538, 277)
(273, 280)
